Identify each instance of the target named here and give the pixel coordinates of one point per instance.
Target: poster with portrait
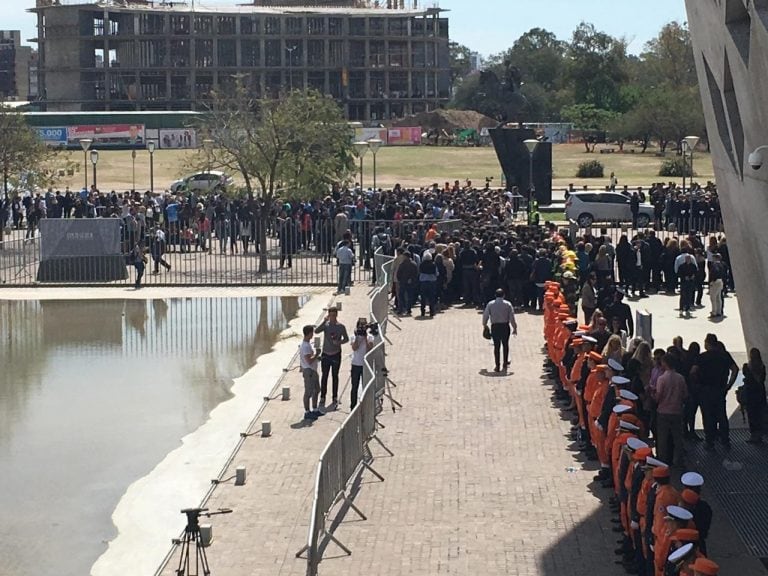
(179, 138)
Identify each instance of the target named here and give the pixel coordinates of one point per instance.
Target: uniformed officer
(702, 511)
(674, 518)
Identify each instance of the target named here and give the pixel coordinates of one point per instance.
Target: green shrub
(675, 168)
(591, 169)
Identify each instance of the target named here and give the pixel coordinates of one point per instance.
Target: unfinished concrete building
(380, 59)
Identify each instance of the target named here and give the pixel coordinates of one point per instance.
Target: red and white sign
(113, 133)
(404, 136)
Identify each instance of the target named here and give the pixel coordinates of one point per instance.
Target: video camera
(364, 327)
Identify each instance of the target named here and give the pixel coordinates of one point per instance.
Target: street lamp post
(690, 144)
(374, 144)
(361, 148)
(85, 144)
(531, 145)
(151, 150)
(133, 163)
(290, 50)
(94, 161)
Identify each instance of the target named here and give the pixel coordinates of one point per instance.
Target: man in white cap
(702, 511)
(675, 518)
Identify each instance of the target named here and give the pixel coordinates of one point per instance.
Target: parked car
(588, 207)
(202, 182)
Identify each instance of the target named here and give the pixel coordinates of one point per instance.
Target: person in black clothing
(619, 315)
(655, 251)
(625, 258)
(634, 207)
(490, 273)
(691, 406)
(515, 274)
(468, 260)
(427, 284)
(712, 373)
(752, 395)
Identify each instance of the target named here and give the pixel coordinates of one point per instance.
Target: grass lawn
(418, 166)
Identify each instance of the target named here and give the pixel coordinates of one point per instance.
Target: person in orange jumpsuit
(631, 545)
(680, 559)
(599, 384)
(674, 518)
(683, 551)
(705, 567)
(640, 518)
(660, 496)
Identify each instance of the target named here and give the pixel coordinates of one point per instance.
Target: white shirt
(358, 356)
(499, 311)
(305, 350)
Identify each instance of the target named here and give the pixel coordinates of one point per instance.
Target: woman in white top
(361, 344)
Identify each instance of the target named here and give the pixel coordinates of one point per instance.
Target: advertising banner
(404, 136)
(53, 136)
(65, 238)
(362, 134)
(107, 134)
(185, 138)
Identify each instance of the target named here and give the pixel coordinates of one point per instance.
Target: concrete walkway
(484, 479)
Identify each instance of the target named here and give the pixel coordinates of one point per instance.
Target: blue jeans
(345, 276)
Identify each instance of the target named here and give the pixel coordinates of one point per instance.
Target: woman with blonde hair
(613, 348)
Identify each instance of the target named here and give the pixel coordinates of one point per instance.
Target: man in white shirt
(502, 316)
(346, 260)
(308, 362)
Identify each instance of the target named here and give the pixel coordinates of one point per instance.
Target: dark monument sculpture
(508, 142)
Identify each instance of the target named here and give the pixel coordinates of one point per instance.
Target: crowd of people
(634, 409)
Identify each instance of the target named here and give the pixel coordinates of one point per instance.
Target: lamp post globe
(85, 144)
(374, 144)
(361, 148)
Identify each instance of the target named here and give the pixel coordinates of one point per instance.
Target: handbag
(486, 333)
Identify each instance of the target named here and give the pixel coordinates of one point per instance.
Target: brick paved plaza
(483, 481)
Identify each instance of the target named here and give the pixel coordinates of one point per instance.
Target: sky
(492, 26)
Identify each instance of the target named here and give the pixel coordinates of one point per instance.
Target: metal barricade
(345, 452)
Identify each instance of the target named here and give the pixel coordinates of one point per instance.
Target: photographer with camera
(361, 344)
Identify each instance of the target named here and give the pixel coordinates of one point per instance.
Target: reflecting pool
(94, 394)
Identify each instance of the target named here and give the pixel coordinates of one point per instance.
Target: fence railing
(225, 254)
(677, 229)
(345, 453)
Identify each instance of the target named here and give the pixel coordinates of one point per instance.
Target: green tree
(588, 117)
(668, 58)
(540, 57)
(24, 158)
(297, 144)
(596, 68)
(460, 62)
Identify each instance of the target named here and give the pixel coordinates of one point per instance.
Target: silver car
(203, 182)
(588, 207)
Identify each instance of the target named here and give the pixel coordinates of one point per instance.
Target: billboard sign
(404, 136)
(107, 134)
(363, 134)
(184, 138)
(65, 238)
(52, 136)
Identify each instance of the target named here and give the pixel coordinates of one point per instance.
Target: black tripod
(192, 534)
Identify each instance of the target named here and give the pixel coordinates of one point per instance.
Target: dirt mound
(447, 120)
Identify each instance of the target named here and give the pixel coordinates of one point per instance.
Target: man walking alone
(502, 316)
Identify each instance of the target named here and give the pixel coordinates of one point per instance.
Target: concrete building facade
(730, 41)
(15, 62)
(380, 60)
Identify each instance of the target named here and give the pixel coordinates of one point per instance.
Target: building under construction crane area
(380, 59)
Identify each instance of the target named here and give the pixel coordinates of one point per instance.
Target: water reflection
(93, 394)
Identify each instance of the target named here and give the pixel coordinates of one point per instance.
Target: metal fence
(346, 453)
(187, 256)
(673, 228)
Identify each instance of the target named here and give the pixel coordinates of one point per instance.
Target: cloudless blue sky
(490, 26)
